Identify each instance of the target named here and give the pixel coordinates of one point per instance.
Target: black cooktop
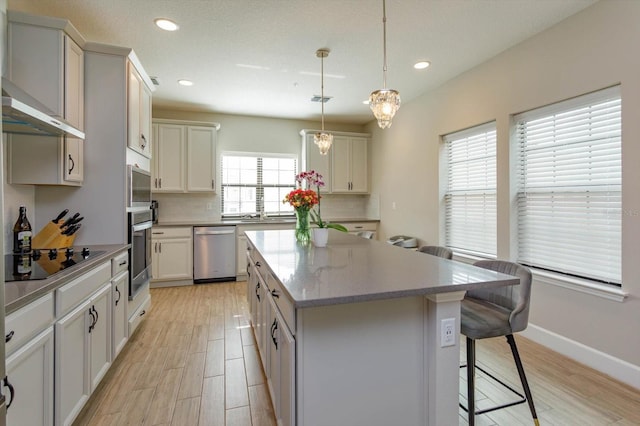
(41, 264)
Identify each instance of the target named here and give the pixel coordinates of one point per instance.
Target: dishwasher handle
(212, 232)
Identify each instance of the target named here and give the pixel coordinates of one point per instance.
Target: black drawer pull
(275, 294)
(142, 313)
(9, 336)
(5, 382)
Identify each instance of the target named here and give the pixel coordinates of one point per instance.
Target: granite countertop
(252, 221)
(353, 269)
(20, 293)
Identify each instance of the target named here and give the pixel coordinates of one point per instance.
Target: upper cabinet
(138, 113)
(349, 165)
(345, 168)
(46, 60)
(184, 158)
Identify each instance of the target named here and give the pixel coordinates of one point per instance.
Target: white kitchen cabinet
(119, 298)
(29, 362)
(47, 61)
(138, 113)
(201, 158)
(169, 159)
(172, 258)
(83, 353)
(345, 167)
(30, 372)
(184, 156)
(313, 160)
(349, 165)
(120, 286)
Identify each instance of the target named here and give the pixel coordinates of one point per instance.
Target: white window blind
(470, 199)
(570, 179)
(252, 183)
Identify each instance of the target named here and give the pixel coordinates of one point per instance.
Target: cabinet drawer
(28, 321)
(361, 226)
(285, 306)
(119, 264)
(179, 232)
(70, 295)
(139, 315)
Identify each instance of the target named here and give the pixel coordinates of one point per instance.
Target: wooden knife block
(50, 237)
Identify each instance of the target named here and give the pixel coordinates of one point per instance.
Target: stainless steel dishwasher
(214, 254)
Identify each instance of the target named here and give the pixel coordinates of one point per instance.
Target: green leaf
(336, 226)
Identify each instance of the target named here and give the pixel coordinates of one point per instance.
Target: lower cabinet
(281, 365)
(83, 353)
(120, 326)
(276, 343)
(172, 257)
(30, 371)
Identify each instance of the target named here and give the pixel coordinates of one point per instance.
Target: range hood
(23, 114)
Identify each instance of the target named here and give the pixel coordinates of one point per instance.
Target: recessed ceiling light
(185, 82)
(166, 24)
(422, 65)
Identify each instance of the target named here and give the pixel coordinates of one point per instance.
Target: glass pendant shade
(384, 103)
(324, 141)
(322, 138)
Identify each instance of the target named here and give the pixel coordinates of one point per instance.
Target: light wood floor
(193, 361)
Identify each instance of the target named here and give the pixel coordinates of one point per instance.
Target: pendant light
(384, 102)
(322, 138)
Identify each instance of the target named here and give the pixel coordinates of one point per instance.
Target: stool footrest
(522, 399)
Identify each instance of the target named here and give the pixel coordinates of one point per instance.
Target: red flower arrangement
(302, 198)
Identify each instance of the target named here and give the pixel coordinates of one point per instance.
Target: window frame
(478, 249)
(550, 272)
(259, 185)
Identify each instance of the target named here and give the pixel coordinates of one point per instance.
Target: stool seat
(481, 319)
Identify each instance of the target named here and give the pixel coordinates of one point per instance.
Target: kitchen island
(351, 334)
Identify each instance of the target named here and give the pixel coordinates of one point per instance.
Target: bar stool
(492, 313)
(365, 234)
(437, 251)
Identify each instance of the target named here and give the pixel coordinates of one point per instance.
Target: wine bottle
(22, 233)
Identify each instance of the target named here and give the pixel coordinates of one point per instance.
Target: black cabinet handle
(73, 164)
(142, 313)
(275, 294)
(257, 289)
(9, 336)
(124, 262)
(96, 312)
(258, 264)
(274, 328)
(12, 392)
(93, 320)
(144, 139)
(118, 299)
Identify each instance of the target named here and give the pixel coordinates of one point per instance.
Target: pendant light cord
(384, 41)
(322, 88)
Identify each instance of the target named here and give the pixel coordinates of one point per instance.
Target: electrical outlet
(448, 332)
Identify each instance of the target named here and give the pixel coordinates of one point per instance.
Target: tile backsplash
(204, 207)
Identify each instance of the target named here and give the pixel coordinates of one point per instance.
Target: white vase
(320, 236)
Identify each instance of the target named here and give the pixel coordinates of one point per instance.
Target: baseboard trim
(618, 369)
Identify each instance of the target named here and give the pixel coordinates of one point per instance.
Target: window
(252, 183)
(470, 199)
(569, 189)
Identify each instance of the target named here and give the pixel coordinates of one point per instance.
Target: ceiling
(257, 57)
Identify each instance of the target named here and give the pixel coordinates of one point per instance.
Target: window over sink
(255, 183)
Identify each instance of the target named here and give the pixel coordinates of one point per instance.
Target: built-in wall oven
(140, 220)
(140, 251)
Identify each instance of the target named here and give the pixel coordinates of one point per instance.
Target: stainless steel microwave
(138, 187)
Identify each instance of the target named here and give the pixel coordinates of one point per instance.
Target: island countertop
(353, 269)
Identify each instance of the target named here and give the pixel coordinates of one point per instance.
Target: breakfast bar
(355, 333)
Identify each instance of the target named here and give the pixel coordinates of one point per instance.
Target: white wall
(252, 134)
(594, 49)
